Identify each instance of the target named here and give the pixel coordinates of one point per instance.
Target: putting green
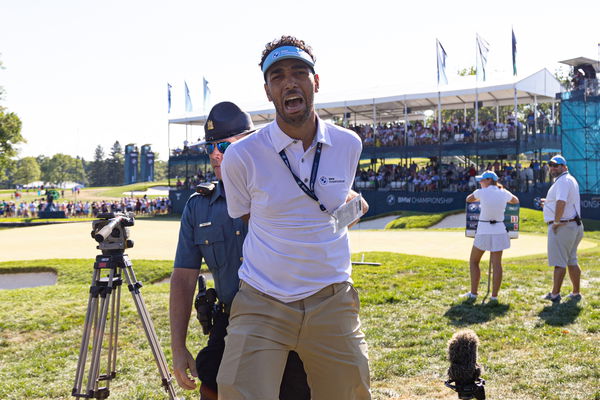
(157, 240)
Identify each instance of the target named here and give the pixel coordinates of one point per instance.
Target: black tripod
(104, 307)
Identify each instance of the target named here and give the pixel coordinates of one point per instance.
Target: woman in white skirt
(491, 234)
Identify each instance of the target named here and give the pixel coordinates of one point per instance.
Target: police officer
(207, 232)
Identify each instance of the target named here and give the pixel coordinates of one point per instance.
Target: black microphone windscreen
(462, 354)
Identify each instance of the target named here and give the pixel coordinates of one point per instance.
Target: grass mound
(532, 221)
(419, 220)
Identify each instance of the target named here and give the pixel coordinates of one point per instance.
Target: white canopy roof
(574, 62)
(541, 86)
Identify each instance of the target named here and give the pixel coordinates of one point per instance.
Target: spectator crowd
(140, 206)
(191, 182)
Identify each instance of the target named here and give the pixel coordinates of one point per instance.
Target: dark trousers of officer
(293, 384)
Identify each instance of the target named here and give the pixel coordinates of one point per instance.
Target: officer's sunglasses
(553, 164)
(222, 146)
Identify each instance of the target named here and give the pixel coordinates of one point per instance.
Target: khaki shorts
(324, 329)
(562, 245)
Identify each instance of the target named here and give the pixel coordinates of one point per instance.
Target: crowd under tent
(540, 87)
(381, 107)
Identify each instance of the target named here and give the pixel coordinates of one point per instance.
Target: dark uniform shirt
(208, 233)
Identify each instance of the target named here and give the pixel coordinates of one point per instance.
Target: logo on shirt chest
(327, 180)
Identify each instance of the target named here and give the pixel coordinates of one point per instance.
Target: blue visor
(286, 52)
(487, 175)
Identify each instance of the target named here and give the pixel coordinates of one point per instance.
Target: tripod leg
(159, 357)
(92, 309)
(106, 293)
(113, 335)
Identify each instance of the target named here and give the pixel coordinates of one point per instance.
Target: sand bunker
(27, 280)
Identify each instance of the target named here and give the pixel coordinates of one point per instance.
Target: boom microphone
(464, 374)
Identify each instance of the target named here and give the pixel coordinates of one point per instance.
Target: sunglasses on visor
(222, 146)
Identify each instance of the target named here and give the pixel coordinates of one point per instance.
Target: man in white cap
(562, 213)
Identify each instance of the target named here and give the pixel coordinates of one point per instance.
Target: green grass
(410, 308)
(25, 221)
(117, 191)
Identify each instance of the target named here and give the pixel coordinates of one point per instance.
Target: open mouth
(293, 103)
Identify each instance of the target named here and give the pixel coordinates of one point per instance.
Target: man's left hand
(556, 225)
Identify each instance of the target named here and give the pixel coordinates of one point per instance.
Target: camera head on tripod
(111, 231)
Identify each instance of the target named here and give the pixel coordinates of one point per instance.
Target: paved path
(156, 240)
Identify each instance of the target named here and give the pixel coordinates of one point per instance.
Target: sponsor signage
(511, 219)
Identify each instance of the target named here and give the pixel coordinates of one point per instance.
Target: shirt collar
(280, 140)
(218, 192)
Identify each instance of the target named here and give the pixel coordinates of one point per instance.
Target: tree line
(101, 171)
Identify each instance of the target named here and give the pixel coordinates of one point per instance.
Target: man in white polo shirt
(295, 290)
(562, 211)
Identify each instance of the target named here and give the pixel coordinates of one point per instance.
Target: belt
(563, 220)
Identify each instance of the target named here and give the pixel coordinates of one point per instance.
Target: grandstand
(403, 126)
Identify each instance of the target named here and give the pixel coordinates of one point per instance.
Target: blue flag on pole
(188, 100)
(206, 93)
(514, 52)
(169, 96)
(441, 63)
(483, 48)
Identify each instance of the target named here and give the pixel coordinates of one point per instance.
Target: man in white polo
(562, 213)
(295, 290)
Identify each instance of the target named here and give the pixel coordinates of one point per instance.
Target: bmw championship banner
(511, 219)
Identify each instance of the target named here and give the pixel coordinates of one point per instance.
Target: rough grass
(410, 308)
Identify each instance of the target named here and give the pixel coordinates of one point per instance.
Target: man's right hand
(183, 361)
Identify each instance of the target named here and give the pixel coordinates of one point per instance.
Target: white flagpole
(476, 90)
(169, 154)
(439, 106)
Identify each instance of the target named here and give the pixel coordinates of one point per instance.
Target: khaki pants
(324, 329)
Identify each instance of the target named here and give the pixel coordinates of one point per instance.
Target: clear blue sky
(83, 73)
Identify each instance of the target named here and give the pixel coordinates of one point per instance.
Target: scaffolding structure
(580, 120)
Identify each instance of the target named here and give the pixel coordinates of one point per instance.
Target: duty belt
(225, 308)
